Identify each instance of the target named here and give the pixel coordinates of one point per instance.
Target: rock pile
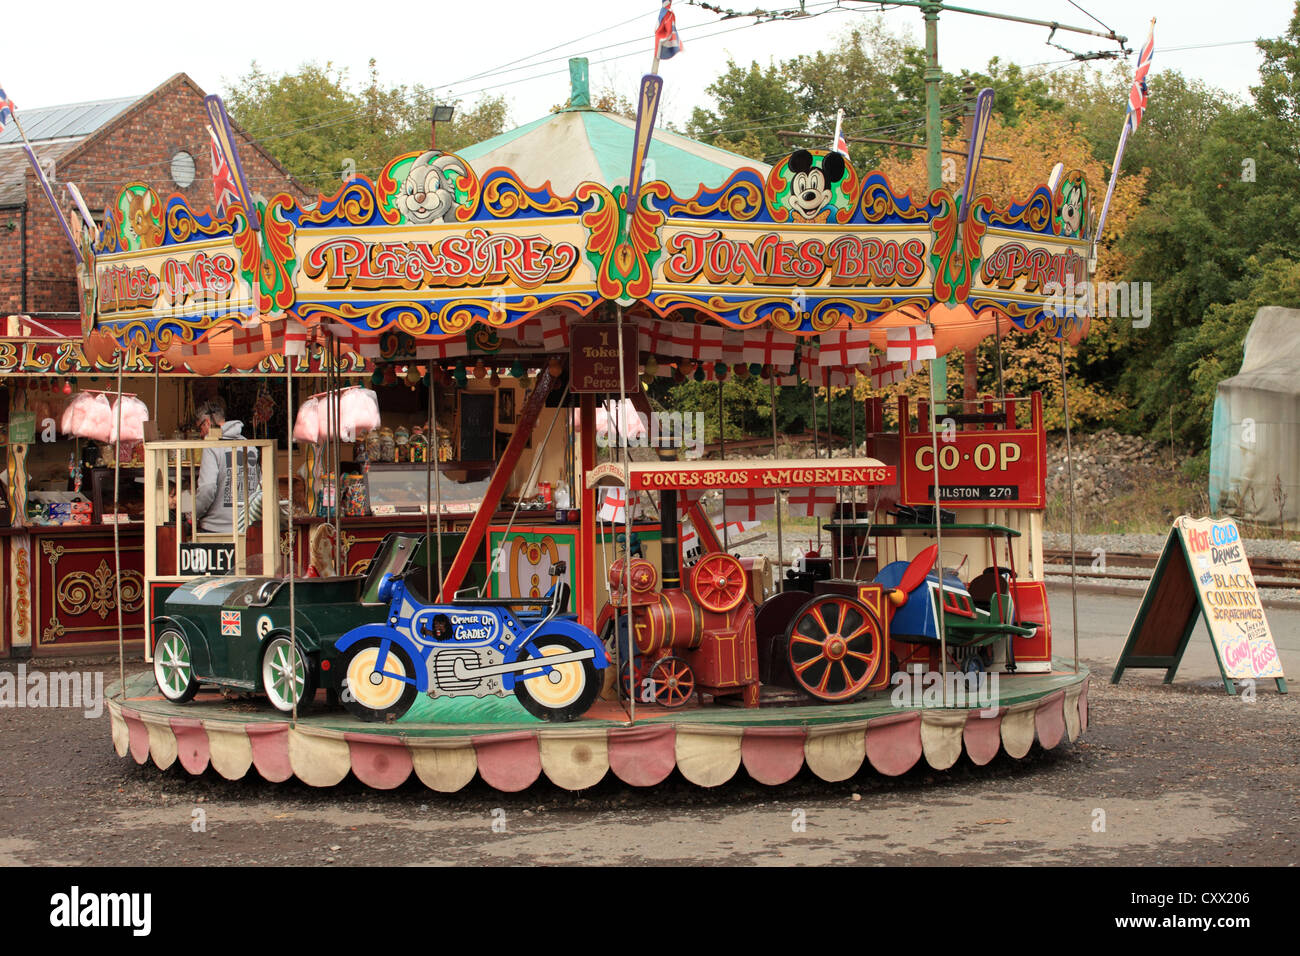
(1108, 464)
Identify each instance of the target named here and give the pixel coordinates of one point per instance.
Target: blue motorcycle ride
(471, 647)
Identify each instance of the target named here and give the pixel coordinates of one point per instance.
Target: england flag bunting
(248, 340)
(733, 529)
(812, 502)
(770, 347)
(655, 337)
(698, 340)
(733, 346)
(612, 505)
(915, 343)
(884, 372)
(849, 347)
(555, 332)
(454, 347)
(529, 332)
(294, 334)
(749, 504)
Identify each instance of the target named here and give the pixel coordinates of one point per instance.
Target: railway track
(1127, 566)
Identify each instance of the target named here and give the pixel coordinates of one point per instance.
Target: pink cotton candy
(307, 426)
(134, 414)
(98, 419)
(358, 413)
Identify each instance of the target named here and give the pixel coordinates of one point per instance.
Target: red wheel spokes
(851, 676)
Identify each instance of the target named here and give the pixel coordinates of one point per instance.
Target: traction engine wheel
(674, 681)
(835, 647)
(718, 582)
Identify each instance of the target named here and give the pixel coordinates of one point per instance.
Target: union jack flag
(223, 180)
(6, 109)
(230, 624)
(1137, 95)
(667, 43)
(841, 145)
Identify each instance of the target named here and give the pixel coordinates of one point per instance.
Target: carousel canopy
(580, 144)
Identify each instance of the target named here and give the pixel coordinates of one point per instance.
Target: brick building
(160, 138)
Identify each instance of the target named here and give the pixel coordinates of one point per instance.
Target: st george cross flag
(443, 348)
(698, 340)
(769, 347)
(884, 372)
(248, 340)
(654, 336)
(612, 501)
(914, 343)
(749, 504)
(555, 332)
(667, 43)
(812, 502)
(223, 181)
(844, 348)
(1137, 95)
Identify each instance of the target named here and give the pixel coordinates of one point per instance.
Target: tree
(753, 104)
(322, 131)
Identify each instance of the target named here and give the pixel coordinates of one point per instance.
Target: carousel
(576, 602)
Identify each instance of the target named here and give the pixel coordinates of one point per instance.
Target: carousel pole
(336, 444)
(290, 559)
(722, 456)
(1069, 476)
(812, 388)
(117, 547)
(428, 495)
(853, 452)
(938, 539)
(627, 517)
(780, 544)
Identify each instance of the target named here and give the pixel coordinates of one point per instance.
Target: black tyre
(173, 666)
(371, 696)
(567, 692)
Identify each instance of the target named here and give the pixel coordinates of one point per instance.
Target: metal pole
(812, 388)
(933, 76)
(722, 456)
(1069, 475)
(780, 543)
(291, 559)
(117, 548)
(428, 496)
(938, 540)
(627, 522)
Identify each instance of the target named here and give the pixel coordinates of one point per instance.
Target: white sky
(104, 50)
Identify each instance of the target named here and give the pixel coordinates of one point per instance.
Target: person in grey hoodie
(214, 498)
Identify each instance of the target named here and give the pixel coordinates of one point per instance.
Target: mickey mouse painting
(810, 185)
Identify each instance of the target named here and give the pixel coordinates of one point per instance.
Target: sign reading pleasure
(431, 248)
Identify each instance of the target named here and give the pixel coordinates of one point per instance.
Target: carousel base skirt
(446, 742)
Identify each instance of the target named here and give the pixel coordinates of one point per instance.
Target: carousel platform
(446, 742)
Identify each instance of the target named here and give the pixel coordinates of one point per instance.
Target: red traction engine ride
(686, 636)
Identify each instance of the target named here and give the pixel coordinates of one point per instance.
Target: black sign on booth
(202, 558)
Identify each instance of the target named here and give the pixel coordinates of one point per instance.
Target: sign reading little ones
(1214, 580)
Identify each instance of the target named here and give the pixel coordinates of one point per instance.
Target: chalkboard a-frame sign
(1203, 569)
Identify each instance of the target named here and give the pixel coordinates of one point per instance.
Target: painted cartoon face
(810, 186)
(427, 195)
(1071, 208)
(141, 226)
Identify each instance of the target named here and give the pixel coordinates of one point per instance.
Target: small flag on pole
(224, 144)
(1138, 94)
(911, 344)
(6, 110)
(667, 42)
(840, 145)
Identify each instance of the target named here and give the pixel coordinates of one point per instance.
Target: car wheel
(173, 666)
(370, 695)
(287, 675)
(567, 692)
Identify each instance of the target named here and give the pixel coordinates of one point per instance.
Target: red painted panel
(74, 587)
(1030, 599)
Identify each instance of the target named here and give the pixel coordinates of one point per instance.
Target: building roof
(53, 131)
(61, 122)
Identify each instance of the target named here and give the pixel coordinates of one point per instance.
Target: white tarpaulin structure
(1255, 437)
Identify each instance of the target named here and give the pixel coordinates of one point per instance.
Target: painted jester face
(810, 186)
